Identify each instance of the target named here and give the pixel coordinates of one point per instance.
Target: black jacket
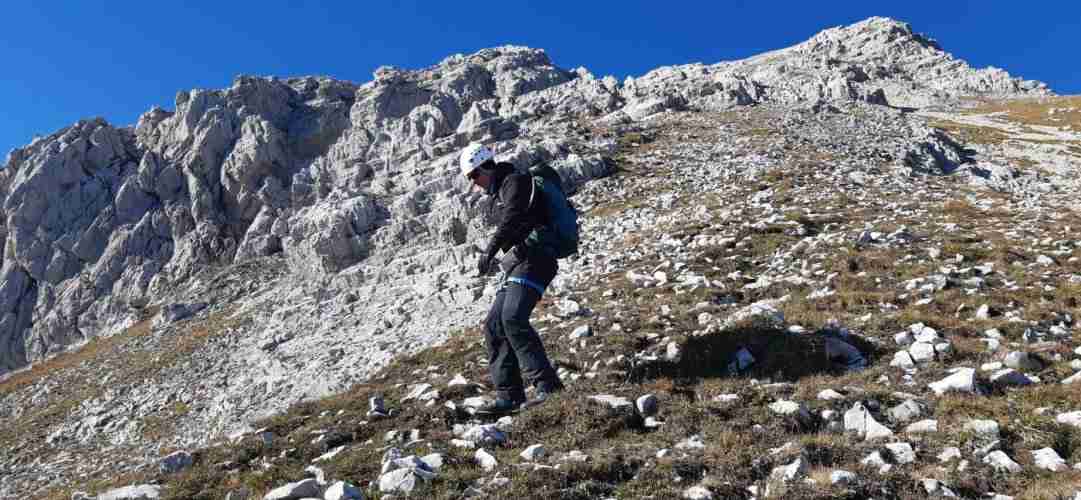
(517, 218)
(514, 215)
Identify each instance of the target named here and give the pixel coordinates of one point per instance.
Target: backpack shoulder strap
(532, 191)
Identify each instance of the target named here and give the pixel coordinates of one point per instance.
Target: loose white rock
(1001, 462)
(842, 477)
(486, 460)
(791, 409)
(697, 493)
(574, 456)
(1023, 361)
(1071, 418)
(963, 380)
(1009, 377)
(902, 359)
(487, 434)
(300, 489)
(534, 453)
(616, 402)
(907, 411)
(875, 460)
(830, 395)
(342, 490)
(1049, 459)
(922, 352)
(434, 461)
(988, 429)
(936, 488)
(692, 443)
(902, 452)
(780, 476)
(136, 492)
(949, 453)
(922, 427)
(400, 481)
(860, 421)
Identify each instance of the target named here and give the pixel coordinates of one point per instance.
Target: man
(514, 348)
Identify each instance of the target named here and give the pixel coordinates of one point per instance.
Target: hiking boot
(499, 407)
(541, 396)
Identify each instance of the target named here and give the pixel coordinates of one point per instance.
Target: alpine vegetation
(844, 269)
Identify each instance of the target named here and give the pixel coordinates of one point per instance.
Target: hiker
(526, 235)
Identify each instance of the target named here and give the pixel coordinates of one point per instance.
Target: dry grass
(739, 436)
(116, 356)
(73, 358)
(971, 134)
(1036, 111)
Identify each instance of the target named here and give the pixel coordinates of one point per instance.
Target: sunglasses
(474, 174)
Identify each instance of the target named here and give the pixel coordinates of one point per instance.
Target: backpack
(559, 236)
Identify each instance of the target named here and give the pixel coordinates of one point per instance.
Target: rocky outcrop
(100, 221)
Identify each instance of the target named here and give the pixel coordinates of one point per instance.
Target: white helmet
(473, 156)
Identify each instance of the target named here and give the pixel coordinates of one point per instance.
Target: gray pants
(514, 348)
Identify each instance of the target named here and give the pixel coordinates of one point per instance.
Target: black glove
(484, 264)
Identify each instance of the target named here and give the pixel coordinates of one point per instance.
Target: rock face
(100, 221)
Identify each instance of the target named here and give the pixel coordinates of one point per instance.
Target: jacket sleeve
(514, 225)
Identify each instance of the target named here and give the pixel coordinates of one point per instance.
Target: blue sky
(67, 60)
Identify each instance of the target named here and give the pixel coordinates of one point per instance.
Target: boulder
(1009, 378)
(987, 429)
(534, 453)
(614, 402)
(342, 490)
(860, 421)
(1049, 459)
(1001, 462)
(922, 427)
(902, 453)
(697, 493)
(842, 478)
(907, 411)
(485, 460)
(1070, 418)
(307, 488)
(136, 492)
(795, 413)
(404, 481)
(1023, 361)
(963, 380)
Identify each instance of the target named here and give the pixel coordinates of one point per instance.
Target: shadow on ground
(778, 355)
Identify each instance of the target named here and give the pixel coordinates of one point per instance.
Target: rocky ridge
(370, 240)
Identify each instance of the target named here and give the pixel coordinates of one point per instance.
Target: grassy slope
(623, 462)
